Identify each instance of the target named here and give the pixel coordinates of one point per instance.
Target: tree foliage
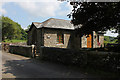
(28, 27)
(95, 16)
(24, 34)
(11, 29)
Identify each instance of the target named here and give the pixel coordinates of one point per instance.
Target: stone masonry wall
(39, 40)
(50, 38)
(84, 41)
(21, 50)
(101, 40)
(76, 42)
(30, 34)
(95, 40)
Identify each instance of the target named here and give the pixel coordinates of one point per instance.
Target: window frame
(60, 38)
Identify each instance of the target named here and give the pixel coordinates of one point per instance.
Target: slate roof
(55, 23)
(37, 24)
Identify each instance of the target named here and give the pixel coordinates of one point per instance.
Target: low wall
(98, 60)
(21, 50)
(5, 47)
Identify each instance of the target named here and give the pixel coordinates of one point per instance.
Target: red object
(98, 43)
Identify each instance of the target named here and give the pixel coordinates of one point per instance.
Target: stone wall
(35, 37)
(50, 38)
(39, 41)
(94, 40)
(21, 50)
(84, 42)
(5, 47)
(76, 41)
(106, 61)
(101, 40)
(31, 35)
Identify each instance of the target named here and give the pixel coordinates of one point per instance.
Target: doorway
(89, 41)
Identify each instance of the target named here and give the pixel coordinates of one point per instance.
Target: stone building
(61, 34)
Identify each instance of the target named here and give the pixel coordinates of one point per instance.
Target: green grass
(108, 39)
(14, 41)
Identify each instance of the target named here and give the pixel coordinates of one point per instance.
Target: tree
(24, 34)
(11, 29)
(95, 16)
(28, 27)
(8, 29)
(119, 35)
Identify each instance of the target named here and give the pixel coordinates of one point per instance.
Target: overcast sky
(27, 11)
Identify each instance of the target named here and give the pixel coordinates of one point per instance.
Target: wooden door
(89, 41)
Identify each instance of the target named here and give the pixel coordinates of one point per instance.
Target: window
(60, 38)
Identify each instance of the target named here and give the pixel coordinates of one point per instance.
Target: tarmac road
(16, 66)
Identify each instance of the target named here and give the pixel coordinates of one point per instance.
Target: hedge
(99, 60)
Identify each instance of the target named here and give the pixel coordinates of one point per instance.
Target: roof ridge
(61, 19)
(47, 20)
(37, 22)
(54, 19)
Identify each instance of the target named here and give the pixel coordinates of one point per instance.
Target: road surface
(16, 66)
